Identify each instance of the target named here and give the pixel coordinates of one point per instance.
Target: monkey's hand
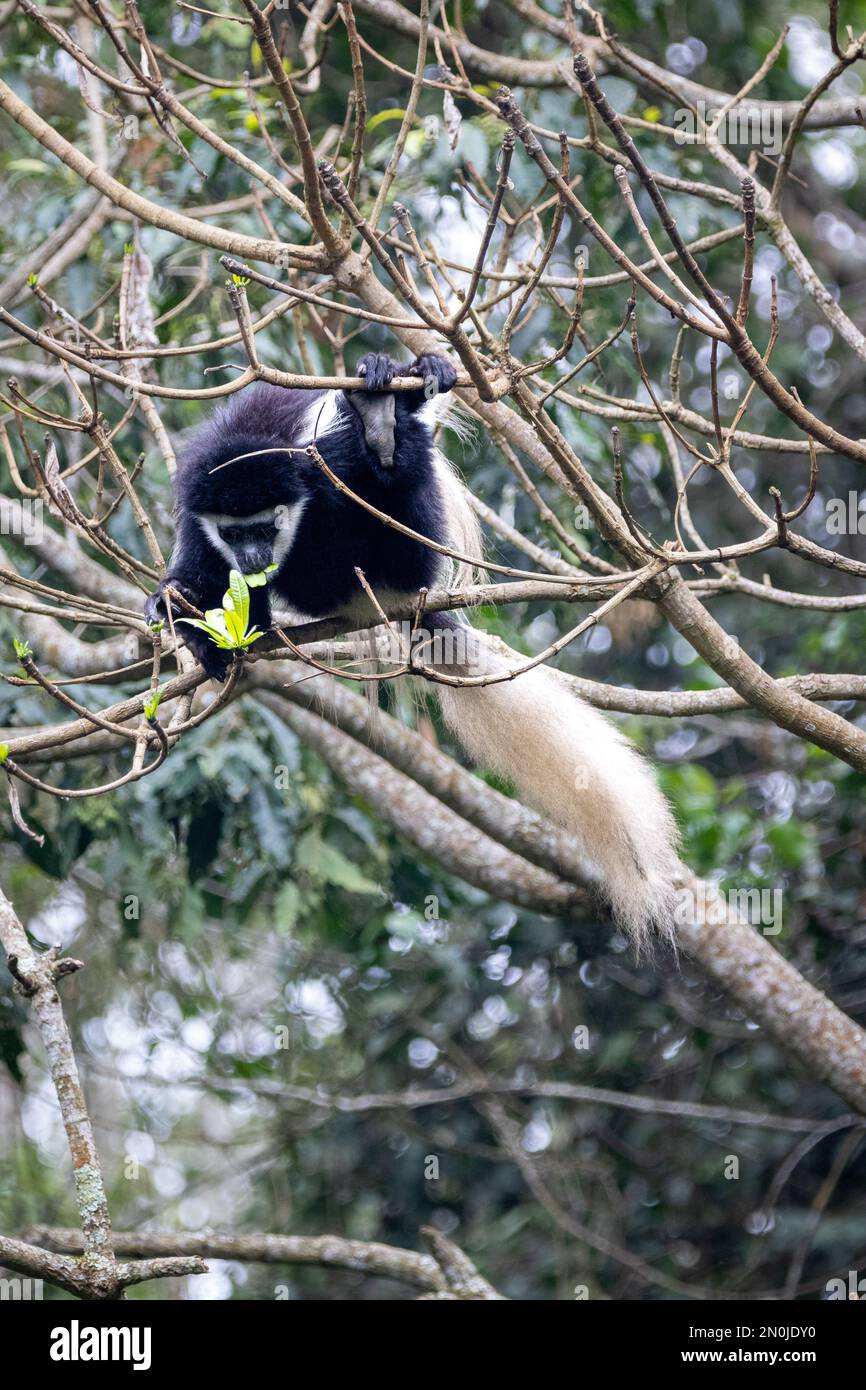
(378, 370)
(211, 658)
(156, 606)
(436, 372)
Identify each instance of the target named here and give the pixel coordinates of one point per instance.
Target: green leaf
(393, 113)
(228, 626)
(323, 861)
(238, 597)
(151, 704)
(234, 627)
(225, 631)
(213, 633)
(791, 841)
(235, 35)
(28, 166)
(4, 752)
(287, 906)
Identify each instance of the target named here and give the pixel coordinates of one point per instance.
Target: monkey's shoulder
(253, 445)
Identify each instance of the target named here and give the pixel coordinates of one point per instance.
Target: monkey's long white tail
(563, 757)
(570, 764)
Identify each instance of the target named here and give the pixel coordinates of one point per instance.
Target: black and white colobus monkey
(273, 506)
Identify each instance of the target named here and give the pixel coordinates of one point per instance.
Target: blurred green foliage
(243, 929)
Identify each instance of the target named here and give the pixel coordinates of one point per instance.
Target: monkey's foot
(212, 659)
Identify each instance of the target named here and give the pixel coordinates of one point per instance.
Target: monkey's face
(252, 543)
(245, 542)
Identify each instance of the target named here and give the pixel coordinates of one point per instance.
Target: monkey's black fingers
(438, 373)
(378, 369)
(154, 608)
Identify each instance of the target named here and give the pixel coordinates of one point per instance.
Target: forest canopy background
(276, 962)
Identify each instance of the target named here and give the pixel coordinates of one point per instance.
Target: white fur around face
(210, 526)
(286, 519)
(224, 519)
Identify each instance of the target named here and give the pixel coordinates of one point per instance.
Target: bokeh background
(259, 945)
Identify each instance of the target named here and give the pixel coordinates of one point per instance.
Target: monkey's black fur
(317, 545)
(277, 508)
